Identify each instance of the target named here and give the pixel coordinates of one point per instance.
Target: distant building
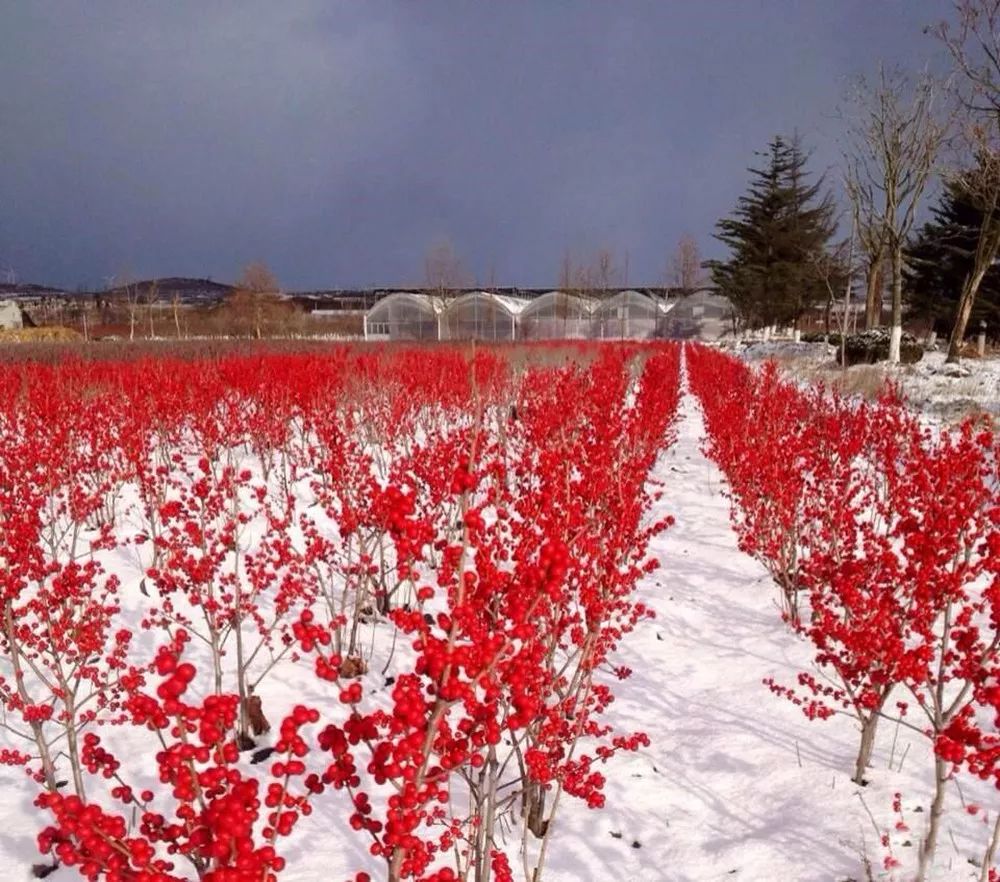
(628, 315)
(481, 315)
(555, 315)
(485, 315)
(10, 315)
(404, 315)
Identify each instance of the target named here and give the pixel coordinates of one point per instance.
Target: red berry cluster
(883, 537)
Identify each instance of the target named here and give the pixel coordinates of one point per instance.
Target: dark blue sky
(337, 141)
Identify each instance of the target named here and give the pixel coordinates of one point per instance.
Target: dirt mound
(54, 334)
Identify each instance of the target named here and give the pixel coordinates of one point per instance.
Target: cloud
(337, 140)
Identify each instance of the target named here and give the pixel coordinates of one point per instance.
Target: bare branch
(897, 126)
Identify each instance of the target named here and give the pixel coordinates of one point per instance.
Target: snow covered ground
(941, 391)
(933, 386)
(736, 785)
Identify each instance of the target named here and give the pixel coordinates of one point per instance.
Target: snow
(941, 391)
(944, 389)
(781, 350)
(737, 783)
(719, 794)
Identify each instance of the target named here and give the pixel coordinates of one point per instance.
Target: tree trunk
(869, 727)
(44, 755)
(243, 728)
(37, 730)
(934, 821)
(896, 335)
(484, 869)
(873, 293)
(533, 802)
(962, 313)
(990, 854)
(73, 749)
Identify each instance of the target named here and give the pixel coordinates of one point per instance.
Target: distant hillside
(16, 290)
(191, 292)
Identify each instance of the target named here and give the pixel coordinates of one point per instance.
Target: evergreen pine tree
(777, 237)
(938, 260)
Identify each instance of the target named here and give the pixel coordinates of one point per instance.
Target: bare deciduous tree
(975, 49)
(593, 278)
(866, 212)
(175, 306)
(896, 128)
(255, 299)
(123, 287)
(150, 295)
(685, 266)
(444, 274)
(565, 282)
(833, 269)
(606, 272)
(980, 187)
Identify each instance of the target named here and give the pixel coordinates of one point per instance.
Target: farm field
(495, 613)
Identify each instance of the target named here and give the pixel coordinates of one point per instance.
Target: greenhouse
(480, 315)
(628, 314)
(404, 316)
(704, 315)
(555, 315)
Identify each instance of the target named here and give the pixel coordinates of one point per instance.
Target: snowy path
(737, 784)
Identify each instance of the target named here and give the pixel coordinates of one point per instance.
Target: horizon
(389, 289)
